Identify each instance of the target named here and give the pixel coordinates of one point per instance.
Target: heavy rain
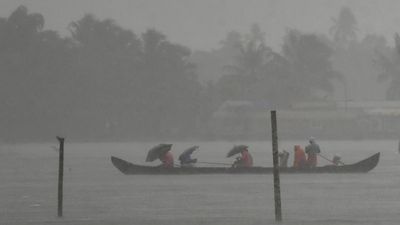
(163, 112)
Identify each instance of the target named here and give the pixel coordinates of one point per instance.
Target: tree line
(104, 82)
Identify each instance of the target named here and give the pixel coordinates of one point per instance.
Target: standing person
(167, 160)
(300, 160)
(245, 160)
(312, 150)
(283, 158)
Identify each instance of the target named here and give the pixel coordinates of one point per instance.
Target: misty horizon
(203, 25)
(187, 112)
(105, 80)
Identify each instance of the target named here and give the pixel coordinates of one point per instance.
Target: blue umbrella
(187, 153)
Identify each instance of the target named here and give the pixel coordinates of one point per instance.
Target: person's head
(311, 139)
(296, 147)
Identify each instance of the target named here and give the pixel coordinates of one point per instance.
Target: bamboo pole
(60, 176)
(277, 189)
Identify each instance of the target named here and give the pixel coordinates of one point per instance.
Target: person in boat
(244, 160)
(300, 160)
(312, 151)
(336, 160)
(186, 160)
(167, 160)
(283, 158)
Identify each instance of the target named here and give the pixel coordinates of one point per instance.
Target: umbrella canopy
(188, 152)
(157, 151)
(236, 149)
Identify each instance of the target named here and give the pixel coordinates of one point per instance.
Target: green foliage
(102, 82)
(309, 60)
(32, 64)
(106, 82)
(387, 60)
(260, 74)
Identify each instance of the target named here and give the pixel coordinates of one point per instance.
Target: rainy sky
(201, 25)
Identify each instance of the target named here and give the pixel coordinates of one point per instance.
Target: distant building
(350, 120)
(240, 119)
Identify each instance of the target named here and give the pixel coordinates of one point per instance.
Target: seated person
(167, 160)
(187, 161)
(300, 160)
(245, 160)
(283, 158)
(337, 160)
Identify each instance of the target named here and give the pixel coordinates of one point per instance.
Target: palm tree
(253, 54)
(102, 34)
(345, 26)
(309, 62)
(21, 20)
(397, 42)
(249, 66)
(390, 69)
(18, 30)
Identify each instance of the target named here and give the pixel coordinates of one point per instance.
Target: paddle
(211, 163)
(215, 163)
(320, 155)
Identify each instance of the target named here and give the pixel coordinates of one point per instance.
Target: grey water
(97, 193)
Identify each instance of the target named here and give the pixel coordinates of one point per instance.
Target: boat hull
(128, 168)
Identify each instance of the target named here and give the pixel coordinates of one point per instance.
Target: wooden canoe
(128, 168)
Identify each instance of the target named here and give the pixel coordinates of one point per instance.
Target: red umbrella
(157, 151)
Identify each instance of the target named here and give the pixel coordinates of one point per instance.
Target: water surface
(97, 193)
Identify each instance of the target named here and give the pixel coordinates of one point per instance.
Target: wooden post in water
(60, 176)
(277, 188)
